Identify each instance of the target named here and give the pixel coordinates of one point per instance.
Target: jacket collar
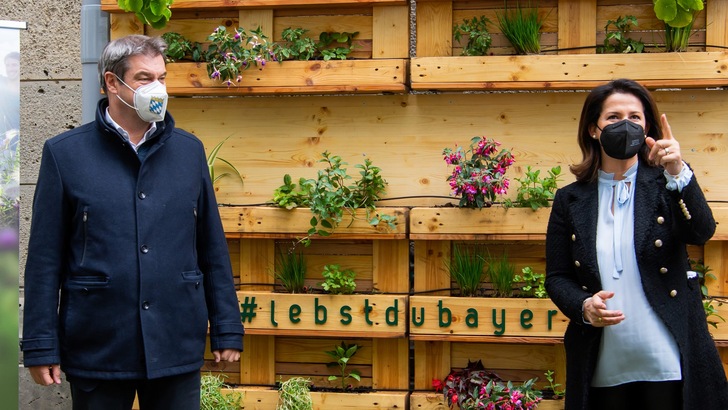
(164, 128)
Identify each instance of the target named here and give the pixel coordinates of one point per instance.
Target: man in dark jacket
(126, 231)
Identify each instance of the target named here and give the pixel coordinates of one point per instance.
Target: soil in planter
(329, 389)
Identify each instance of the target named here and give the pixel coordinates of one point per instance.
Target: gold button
(573, 237)
(660, 220)
(584, 288)
(663, 270)
(673, 293)
(658, 243)
(577, 264)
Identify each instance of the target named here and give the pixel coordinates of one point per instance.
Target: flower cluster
(231, 53)
(477, 179)
(476, 388)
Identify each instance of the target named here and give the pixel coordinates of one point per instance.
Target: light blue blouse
(640, 348)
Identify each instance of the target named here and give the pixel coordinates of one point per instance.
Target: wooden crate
(378, 63)
(570, 31)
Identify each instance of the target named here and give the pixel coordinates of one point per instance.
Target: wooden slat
(432, 361)
(716, 30)
(322, 315)
(121, 25)
(390, 265)
(256, 263)
(363, 76)
(693, 70)
(430, 273)
(258, 360)
(255, 221)
(449, 316)
(253, 19)
(434, 222)
(720, 213)
(112, 6)
(390, 32)
(434, 28)
(436, 401)
(390, 364)
(576, 25)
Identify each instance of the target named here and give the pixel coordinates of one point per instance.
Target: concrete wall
(50, 98)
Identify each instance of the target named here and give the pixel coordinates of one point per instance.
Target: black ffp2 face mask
(623, 139)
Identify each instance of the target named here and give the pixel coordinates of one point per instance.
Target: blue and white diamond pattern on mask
(156, 104)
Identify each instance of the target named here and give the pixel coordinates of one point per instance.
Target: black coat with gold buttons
(665, 222)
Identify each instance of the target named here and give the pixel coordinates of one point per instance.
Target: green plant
(467, 267)
(337, 281)
(479, 178)
(554, 387)
(211, 398)
(678, 16)
(342, 354)
(212, 158)
(155, 13)
(295, 394)
(535, 192)
(479, 39)
(533, 283)
(331, 195)
(522, 28)
(476, 388)
(180, 48)
(298, 47)
(618, 41)
(229, 54)
(501, 273)
(340, 52)
(290, 269)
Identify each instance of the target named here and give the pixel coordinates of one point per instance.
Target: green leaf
(665, 10)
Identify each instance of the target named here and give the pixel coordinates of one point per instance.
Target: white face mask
(150, 101)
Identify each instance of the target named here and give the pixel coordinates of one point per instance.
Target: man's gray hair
(116, 54)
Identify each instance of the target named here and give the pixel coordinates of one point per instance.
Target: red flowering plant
(474, 387)
(479, 173)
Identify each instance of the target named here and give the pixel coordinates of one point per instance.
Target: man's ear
(112, 83)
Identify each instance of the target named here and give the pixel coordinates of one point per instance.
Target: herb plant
(477, 388)
(298, 46)
(211, 398)
(554, 387)
(331, 195)
(534, 283)
(290, 269)
(337, 281)
(618, 41)
(212, 158)
(295, 394)
(467, 267)
(501, 273)
(180, 48)
(678, 16)
(535, 192)
(229, 54)
(155, 13)
(342, 354)
(336, 46)
(479, 39)
(522, 28)
(479, 173)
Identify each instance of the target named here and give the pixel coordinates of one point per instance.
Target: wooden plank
(320, 23)
(720, 213)
(430, 274)
(462, 316)
(390, 364)
(256, 264)
(694, 69)
(121, 25)
(365, 76)
(382, 316)
(113, 7)
(254, 19)
(434, 29)
(436, 401)
(716, 32)
(391, 266)
(576, 26)
(260, 398)
(433, 222)
(258, 360)
(252, 221)
(432, 361)
(390, 32)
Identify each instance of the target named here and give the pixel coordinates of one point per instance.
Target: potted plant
(211, 396)
(678, 16)
(467, 268)
(295, 394)
(290, 270)
(522, 28)
(479, 40)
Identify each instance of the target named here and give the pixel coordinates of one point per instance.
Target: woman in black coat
(617, 264)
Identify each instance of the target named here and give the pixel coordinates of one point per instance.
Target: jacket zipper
(194, 232)
(85, 235)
